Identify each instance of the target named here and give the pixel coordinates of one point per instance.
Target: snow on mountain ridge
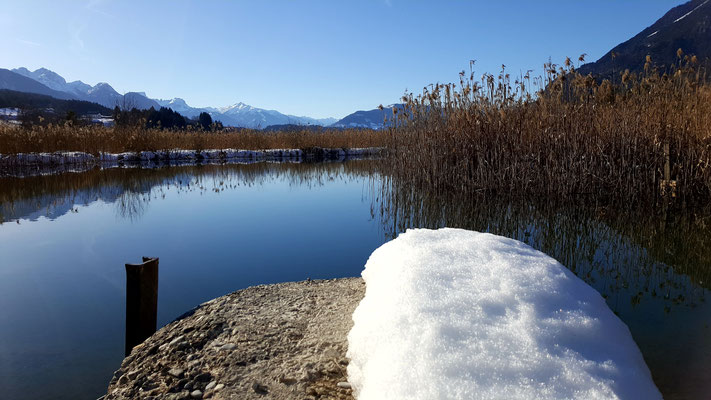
(44, 76)
(243, 115)
(689, 13)
(238, 114)
(239, 107)
(50, 76)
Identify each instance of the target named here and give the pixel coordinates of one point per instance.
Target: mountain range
(686, 27)
(12, 81)
(244, 115)
(101, 93)
(47, 82)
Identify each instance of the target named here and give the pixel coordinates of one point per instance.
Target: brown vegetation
(96, 139)
(563, 134)
(560, 135)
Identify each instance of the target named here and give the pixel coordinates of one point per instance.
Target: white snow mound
(456, 314)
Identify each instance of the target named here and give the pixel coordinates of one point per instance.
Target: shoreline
(30, 164)
(278, 341)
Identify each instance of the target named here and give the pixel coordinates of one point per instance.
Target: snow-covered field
(455, 314)
(9, 112)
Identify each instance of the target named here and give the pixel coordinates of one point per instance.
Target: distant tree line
(163, 118)
(39, 109)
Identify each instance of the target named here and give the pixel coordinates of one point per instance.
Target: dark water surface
(218, 229)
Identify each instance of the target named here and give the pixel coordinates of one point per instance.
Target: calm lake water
(64, 240)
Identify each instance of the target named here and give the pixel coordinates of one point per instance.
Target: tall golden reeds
(561, 134)
(95, 139)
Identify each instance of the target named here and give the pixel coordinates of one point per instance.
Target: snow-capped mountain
(243, 115)
(13, 81)
(239, 114)
(179, 105)
(101, 93)
(46, 77)
(104, 94)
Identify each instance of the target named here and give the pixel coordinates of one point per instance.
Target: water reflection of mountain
(54, 206)
(129, 189)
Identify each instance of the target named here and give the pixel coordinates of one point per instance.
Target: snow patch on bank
(455, 314)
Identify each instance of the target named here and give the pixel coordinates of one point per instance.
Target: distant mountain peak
(22, 71)
(18, 81)
(178, 100)
(44, 76)
(105, 93)
(48, 72)
(235, 107)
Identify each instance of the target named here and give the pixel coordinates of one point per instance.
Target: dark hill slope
(686, 27)
(34, 101)
(372, 119)
(14, 81)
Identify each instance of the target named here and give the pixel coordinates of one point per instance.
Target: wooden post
(668, 186)
(667, 164)
(141, 301)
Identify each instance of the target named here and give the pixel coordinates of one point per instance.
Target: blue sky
(314, 58)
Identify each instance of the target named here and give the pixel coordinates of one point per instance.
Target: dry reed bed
(562, 135)
(95, 139)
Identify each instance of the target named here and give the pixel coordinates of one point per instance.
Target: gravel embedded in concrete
(283, 341)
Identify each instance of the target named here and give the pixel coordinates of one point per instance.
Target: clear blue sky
(314, 58)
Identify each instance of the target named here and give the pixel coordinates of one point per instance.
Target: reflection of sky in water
(62, 280)
(218, 229)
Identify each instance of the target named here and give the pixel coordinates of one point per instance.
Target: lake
(64, 240)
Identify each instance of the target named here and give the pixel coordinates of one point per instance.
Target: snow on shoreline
(70, 161)
(458, 314)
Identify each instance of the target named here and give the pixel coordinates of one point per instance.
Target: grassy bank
(95, 139)
(560, 134)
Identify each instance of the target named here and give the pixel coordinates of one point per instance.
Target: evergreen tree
(205, 120)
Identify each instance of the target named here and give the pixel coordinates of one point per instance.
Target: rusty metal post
(141, 301)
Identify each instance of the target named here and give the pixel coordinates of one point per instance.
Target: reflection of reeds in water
(131, 189)
(625, 254)
(560, 135)
(131, 205)
(617, 249)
